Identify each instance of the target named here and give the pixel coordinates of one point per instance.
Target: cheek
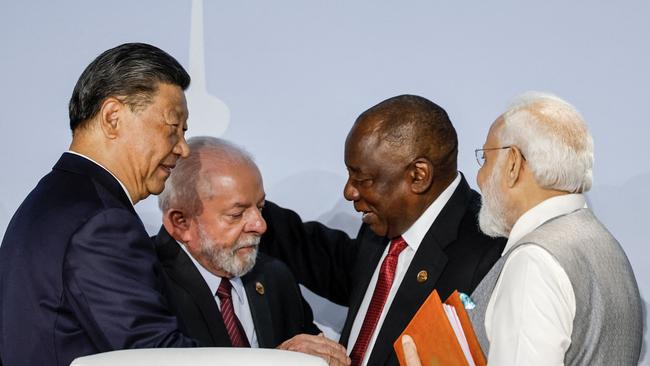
(480, 177)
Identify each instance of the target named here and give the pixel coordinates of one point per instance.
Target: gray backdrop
(286, 79)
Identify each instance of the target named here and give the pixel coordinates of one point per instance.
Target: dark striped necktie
(233, 326)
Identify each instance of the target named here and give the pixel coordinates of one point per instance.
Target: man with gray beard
(563, 292)
(223, 292)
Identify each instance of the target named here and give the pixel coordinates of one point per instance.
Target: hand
(333, 353)
(410, 351)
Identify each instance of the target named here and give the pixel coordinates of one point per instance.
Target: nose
(182, 148)
(479, 178)
(256, 224)
(350, 192)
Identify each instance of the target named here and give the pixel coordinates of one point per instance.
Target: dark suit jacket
(455, 254)
(78, 273)
(279, 313)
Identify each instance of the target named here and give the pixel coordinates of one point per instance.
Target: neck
(437, 187)
(533, 198)
(98, 151)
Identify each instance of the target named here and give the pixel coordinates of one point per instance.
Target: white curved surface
(199, 357)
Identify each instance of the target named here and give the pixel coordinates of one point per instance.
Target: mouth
(367, 216)
(167, 167)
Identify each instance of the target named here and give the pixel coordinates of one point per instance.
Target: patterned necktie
(384, 282)
(233, 326)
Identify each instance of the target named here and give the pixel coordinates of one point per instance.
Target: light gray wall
(287, 78)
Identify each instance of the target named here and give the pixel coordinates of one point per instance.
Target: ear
(421, 175)
(515, 164)
(110, 113)
(178, 225)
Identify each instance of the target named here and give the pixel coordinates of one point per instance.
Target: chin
(379, 229)
(156, 188)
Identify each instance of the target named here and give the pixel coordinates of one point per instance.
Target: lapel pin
(259, 288)
(422, 276)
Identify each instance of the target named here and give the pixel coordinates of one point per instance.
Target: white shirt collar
(544, 211)
(414, 235)
(213, 281)
(103, 167)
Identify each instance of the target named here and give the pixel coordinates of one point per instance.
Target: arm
(533, 306)
(112, 283)
(321, 258)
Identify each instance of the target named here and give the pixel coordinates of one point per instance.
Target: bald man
(419, 231)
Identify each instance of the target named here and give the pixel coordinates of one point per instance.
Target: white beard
(492, 216)
(227, 259)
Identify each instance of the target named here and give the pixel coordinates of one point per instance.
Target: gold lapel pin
(259, 288)
(422, 276)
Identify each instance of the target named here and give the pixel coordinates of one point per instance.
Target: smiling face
(155, 139)
(224, 237)
(378, 181)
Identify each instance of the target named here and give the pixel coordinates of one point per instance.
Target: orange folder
(435, 338)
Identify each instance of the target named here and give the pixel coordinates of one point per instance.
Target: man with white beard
(223, 293)
(563, 292)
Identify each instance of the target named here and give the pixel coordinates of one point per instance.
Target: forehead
(171, 99)
(230, 183)
(493, 134)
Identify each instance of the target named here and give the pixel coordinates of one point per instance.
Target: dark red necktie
(233, 326)
(384, 282)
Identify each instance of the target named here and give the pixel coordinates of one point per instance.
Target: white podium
(199, 357)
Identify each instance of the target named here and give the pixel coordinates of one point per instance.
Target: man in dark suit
(78, 272)
(223, 293)
(419, 230)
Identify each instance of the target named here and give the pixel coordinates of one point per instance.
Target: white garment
(109, 172)
(239, 298)
(413, 237)
(529, 318)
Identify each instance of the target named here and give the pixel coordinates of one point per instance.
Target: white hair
(554, 140)
(186, 186)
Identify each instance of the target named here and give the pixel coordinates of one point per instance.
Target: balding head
(400, 155)
(190, 181)
(553, 137)
(412, 126)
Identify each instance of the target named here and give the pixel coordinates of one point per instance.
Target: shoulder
(271, 266)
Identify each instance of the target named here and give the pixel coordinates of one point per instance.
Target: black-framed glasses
(480, 153)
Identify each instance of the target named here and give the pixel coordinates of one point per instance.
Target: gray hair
(553, 138)
(186, 186)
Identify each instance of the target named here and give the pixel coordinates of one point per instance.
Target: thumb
(410, 351)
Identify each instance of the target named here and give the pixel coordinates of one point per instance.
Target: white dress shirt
(109, 172)
(529, 318)
(413, 237)
(239, 299)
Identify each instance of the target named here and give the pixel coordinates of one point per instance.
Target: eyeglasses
(480, 154)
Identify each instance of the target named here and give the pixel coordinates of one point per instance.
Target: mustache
(248, 241)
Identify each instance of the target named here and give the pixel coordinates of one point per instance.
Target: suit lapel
(78, 164)
(260, 309)
(371, 252)
(182, 270)
(430, 257)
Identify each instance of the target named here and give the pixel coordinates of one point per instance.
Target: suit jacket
(279, 311)
(455, 254)
(78, 272)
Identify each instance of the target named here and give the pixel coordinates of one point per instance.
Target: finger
(332, 352)
(410, 351)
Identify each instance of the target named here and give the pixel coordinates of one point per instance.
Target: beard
(227, 259)
(492, 216)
